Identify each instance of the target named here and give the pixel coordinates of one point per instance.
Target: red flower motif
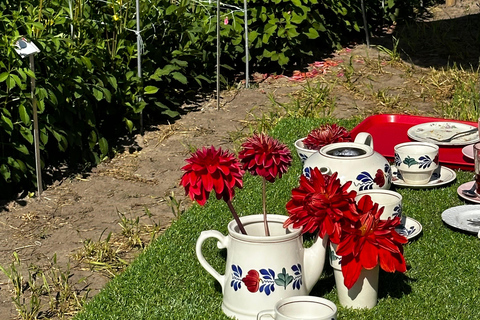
(211, 169)
(252, 280)
(321, 202)
(379, 178)
(264, 156)
(369, 241)
(326, 134)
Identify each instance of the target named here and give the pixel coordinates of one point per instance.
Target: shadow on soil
(451, 42)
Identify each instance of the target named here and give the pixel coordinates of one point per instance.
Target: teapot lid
(346, 150)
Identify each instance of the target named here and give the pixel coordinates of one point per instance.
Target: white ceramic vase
(364, 293)
(260, 270)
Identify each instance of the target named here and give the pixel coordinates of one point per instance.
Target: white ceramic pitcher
(260, 270)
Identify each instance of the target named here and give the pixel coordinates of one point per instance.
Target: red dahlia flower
(211, 169)
(264, 156)
(267, 157)
(326, 134)
(321, 202)
(370, 241)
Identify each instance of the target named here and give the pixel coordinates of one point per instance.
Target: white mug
(302, 308)
(390, 200)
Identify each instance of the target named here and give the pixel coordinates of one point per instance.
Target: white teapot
(354, 161)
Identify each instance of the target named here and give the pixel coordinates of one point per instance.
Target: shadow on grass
(395, 285)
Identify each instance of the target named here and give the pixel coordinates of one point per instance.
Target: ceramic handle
(364, 138)
(269, 313)
(222, 243)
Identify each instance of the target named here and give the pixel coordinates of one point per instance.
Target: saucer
(466, 218)
(411, 229)
(466, 186)
(445, 176)
(468, 151)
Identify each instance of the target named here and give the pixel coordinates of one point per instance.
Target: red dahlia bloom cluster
(322, 203)
(326, 134)
(369, 241)
(211, 170)
(364, 241)
(264, 156)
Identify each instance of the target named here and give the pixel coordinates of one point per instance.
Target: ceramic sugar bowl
(354, 161)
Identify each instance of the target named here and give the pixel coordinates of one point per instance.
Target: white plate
(443, 130)
(411, 229)
(468, 151)
(466, 218)
(467, 186)
(441, 176)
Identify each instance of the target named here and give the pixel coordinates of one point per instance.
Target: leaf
(97, 94)
(21, 147)
(10, 82)
(171, 9)
(151, 90)
(312, 33)
(3, 76)
(113, 82)
(22, 111)
(282, 59)
(103, 144)
(5, 172)
(129, 125)
(27, 134)
(7, 124)
(179, 77)
(86, 62)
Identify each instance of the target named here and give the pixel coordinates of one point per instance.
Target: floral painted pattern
(423, 162)
(266, 280)
(364, 180)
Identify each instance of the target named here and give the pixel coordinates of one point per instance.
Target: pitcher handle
(364, 138)
(270, 313)
(222, 243)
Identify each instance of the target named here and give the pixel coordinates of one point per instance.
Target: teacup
(302, 308)
(390, 200)
(416, 161)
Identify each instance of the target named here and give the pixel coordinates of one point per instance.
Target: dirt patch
(139, 181)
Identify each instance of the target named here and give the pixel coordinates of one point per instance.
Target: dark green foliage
(88, 89)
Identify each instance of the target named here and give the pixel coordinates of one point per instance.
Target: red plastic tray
(388, 130)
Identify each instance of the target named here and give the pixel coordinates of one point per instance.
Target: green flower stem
(235, 216)
(264, 199)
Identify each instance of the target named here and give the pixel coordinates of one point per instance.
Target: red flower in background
(326, 134)
(369, 241)
(321, 202)
(252, 280)
(211, 169)
(264, 156)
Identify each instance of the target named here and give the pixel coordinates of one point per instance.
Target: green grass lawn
(167, 282)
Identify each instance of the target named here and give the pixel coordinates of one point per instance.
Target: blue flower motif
(297, 274)
(268, 281)
(307, 172)
(303, 157)
(366, 181)
(388, 172)
(424, 162)
(397, 211)
(398, 160)
(236, 282)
